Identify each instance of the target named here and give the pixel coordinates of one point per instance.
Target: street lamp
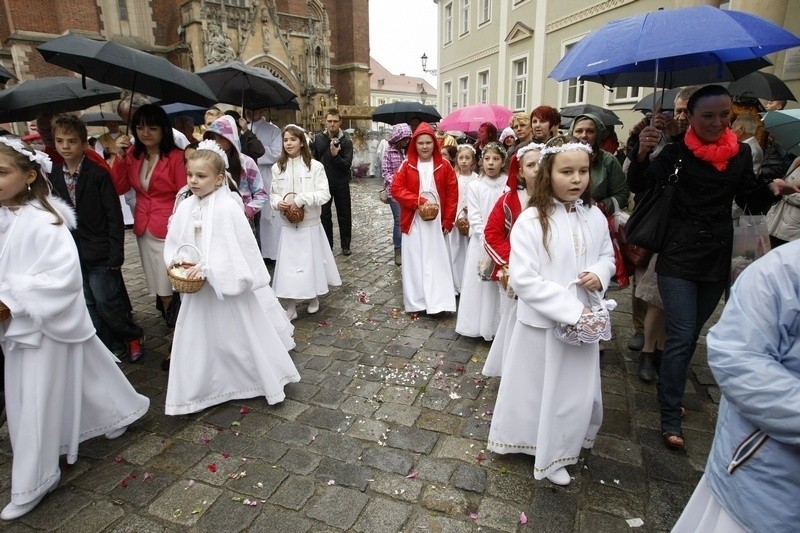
(423, 95)
(424, 59)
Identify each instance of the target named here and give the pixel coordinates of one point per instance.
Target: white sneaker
(559, 477)
(313, 306)
(12, 511)
(117, 433)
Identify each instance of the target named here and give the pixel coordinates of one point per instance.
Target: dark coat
(699, 237)
(336, 168)
(100, 235)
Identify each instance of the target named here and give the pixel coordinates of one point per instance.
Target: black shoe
(647, 366)
(636, 342)
(346, 251)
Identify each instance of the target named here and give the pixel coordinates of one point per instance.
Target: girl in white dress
(231, 337)
(425, 177)
(62, 385)
(549, 403)
(457, 244)
(305, 268)
(479, 307)
(497, 241)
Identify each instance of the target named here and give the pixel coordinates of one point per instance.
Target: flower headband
(212, 146)
(536, 147)
(567, 147)
(495, 146)
(40, 158)
(468, 147)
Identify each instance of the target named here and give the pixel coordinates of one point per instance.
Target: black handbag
(647, 224)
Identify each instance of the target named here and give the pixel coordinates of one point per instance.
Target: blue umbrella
(673, 41)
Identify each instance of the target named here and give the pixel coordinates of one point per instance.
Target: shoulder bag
(647, 224)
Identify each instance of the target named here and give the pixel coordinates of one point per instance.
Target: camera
(336, 143)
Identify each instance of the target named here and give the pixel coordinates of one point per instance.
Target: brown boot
(398, 257)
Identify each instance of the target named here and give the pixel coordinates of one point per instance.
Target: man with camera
(334, 150)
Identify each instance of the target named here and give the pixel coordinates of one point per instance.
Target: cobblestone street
(385, 432)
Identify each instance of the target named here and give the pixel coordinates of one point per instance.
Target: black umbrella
(29, 99)
(404, 111)
(99, 118)
(761, 85)
(608, 117)
(6, 74)
(128, 68)
(665, 99)
(251, 87)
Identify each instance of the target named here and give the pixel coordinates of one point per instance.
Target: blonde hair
(522, 117)
(471, 150)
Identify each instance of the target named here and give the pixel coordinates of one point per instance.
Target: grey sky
(400, 31)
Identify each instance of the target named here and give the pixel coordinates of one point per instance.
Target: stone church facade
(320, 48)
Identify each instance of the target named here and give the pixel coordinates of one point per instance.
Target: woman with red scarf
(694, 262)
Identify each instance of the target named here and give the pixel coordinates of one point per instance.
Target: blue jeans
(687, 304)
(109, 307)
(397, 236)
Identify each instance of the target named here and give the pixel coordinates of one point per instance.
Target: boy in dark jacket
(99, 237)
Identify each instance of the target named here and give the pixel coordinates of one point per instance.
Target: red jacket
(405, 184)
(497, 231)
(154, 206)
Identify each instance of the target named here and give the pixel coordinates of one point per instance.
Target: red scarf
(717, 153)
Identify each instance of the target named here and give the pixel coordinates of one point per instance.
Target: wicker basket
(430, 209)
(5, 312)
(180, 283)
(462, 222)
(295, 214)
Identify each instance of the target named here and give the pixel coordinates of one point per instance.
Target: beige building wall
(538, 32)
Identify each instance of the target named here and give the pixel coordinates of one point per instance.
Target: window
(573, 90)
(519, 69)
(485, 14)
(464, 17)
(626, 94)
(122, 7)
(448, 23)
(463, 91)
(447, 89)
(483, 87)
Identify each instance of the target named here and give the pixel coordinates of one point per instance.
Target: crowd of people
(510, 232)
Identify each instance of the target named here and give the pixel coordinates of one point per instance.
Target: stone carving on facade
(218, 44)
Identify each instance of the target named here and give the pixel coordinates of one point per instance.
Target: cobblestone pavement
(385, 432)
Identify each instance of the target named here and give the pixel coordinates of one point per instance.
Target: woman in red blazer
(154, 168)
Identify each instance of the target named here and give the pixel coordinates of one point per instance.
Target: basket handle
(435, 196)
(187, 245)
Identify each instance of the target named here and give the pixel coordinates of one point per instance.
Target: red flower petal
(226, 454)
(244, 410)
(212, 467)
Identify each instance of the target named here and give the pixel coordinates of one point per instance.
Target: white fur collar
(64, 209)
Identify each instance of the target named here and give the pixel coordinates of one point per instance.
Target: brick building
(320, 51)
